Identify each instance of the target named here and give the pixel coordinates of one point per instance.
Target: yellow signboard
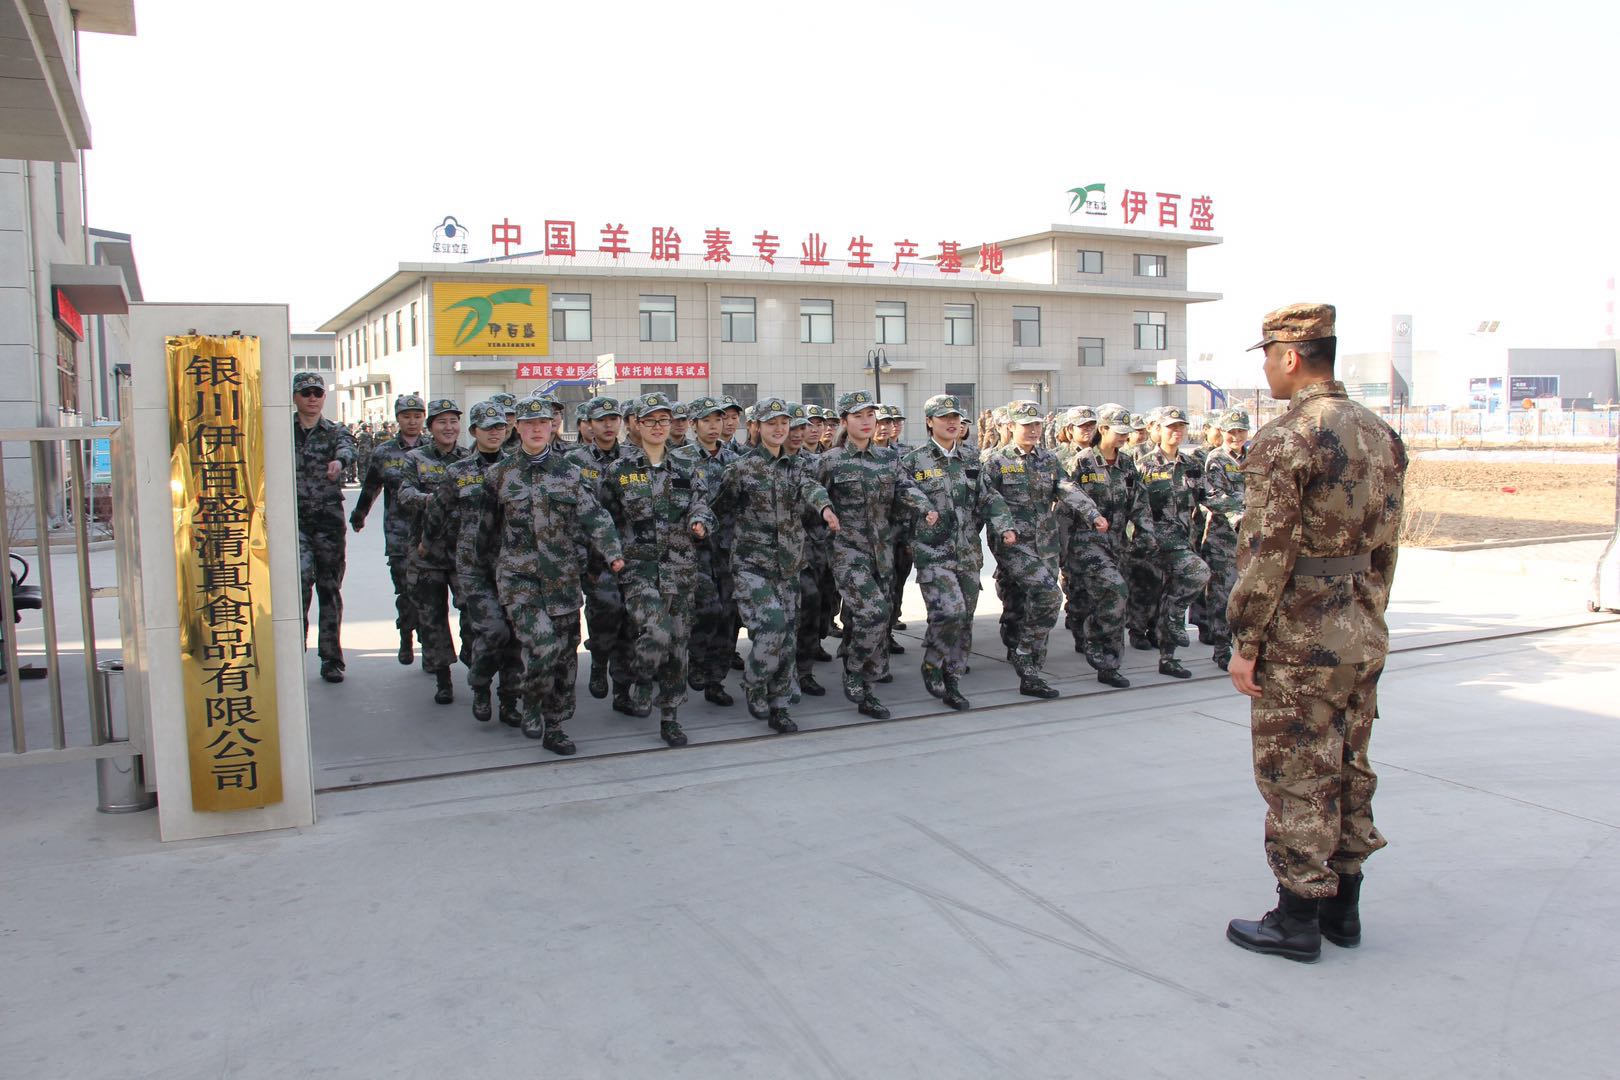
(221, 550)
(491, 318)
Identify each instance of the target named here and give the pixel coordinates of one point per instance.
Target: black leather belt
(1309, 566)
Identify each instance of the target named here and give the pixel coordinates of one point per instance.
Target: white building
(318, 353)
(1075, 315)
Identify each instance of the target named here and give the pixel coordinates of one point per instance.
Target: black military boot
(482, 711)
(871, 706)
(331, 671)
(934, 679)
(781, 722)
(1030, 684)
(1112, 677)
(823, 656)
(446, 691)
(895, 648)
(694, 682)
(511, 710)
(557, 741)
(599, 679)
(669, 730)
(1289, 929)
(1169, 665)
(1340, 917)
(736, 661)
(953, 694)
(716, 695)
(1140, 640)
(407, 655)
(809, 685)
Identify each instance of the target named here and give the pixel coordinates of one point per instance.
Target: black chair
(23, 598)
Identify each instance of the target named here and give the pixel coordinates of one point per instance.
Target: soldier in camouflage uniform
(659, 502)
(817, 553)
(1079, 434)
(604, 606)
(1095, 562)
(1027, 476)
(949, 554)
(322, 449)
(1223, 502)
(680, 425)
(1316, 560)
(868, 489)
(508, 406)
(714, 618)
(904, 556)
(453, 514)
(537, 509)
(1169, 574)
(767, 492)
(364, 444)
(431, 564)
(384, 472)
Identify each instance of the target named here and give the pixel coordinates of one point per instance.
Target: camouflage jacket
(869, 491)
(723, 537)
(313, 449)
(425, 468)
(1117, 490)
(384, 473)
(1223, 496)
(1033, 486)
(654, 508)
(953, 484)
(766, 496)
(1325, 479)
(1175, 488)
(536, 512)
(593, 463)
(455, 511)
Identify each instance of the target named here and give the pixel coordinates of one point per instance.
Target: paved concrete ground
(1038, 889)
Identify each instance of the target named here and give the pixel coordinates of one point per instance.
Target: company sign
(558, 371)
(491, 318)
(626, 369)
(67, 315)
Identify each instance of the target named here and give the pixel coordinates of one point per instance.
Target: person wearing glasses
(323, 450)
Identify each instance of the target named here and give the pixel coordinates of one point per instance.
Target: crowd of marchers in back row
(683, 523)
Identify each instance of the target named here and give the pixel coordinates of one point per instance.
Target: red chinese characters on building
(767, 246)
(624, 370)
(990, 259)
(1201, 214)
(1169, 209)
(613, 237)
(1133, 205)
(950, 257)
(586, 370)
(860, 253)
(903, 249)
(718, 242)
(814, 249)
(560, 238)
(666, 245)
(507, 234)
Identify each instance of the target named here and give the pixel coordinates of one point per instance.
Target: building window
(571, 317)
(737, 319)
(958, 324)
(1150, 329)
(815, 322)
(967, 394)
(891, 322)
(399, 330)
(67, 372)
(1150, 266)
(1091, 352)
(413, 322)
(743, 393)
(669, 390)
(1090, 262)
(816, 393)
(1026, 326)
(657, 318)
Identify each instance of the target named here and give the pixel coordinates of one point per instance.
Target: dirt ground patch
(1455, 502)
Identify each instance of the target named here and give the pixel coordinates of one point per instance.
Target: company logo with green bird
(481, 310)
(1082, 197)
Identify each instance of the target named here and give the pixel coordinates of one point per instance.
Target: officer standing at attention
(323, 450)
(384, 473)
(432, 561)
(1316, 559)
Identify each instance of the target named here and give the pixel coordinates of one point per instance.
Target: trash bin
(120, 781)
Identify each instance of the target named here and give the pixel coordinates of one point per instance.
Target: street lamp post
(879, 364)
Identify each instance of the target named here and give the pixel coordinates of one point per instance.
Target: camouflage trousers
(1311, 729)
(771, 614)
(1074, 548)
(494, 648)
(1174, 575)
(550, 657)
(952, 596)
(1028, 587)
(868, 606)
(1095, 569)
(430, 595)
(321, 563)
(609, 640)
(660, 629)
(404, 605)
(904, 561)
(1198, 613)
(714, 625)
(810, 630)
(1221, 556)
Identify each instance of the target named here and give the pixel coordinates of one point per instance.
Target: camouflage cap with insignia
(770, 408)
(729, 402)
(798, 415)
(507, 402)
(678, 410)
(1081, 414)
(535, 408)
(1296, 322)
(308, 380)
(1025, 412)
(582, 411)
(698, 408)
(440, 406)
(892, 411)
(1138, 422)
(487, 414)
(1235, 420)
(1171, 414)
(942, 405)
(409, 402)
(605, 406)
(815, 412)
(856, 401)
(648, 403)
(1116, 420)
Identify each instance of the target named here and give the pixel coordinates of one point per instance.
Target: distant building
(318, 353)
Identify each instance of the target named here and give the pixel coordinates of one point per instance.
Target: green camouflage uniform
(1170, 575)
(494, 650)
(384, 473)
(1096, 561)
(609, 640)
(321, 556)
(431, 560)
(1223, 500)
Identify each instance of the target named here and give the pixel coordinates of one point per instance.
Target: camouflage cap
(942, 405)
(770, 408)
(1025, 412)
(535, 408)
(440, 406)
(1111, 406)
(798, 415)
(648, 403)
(892, 411)
(679, 411)
(1171, 414)
(815, 412)
(582, 411)
(1138, 423)
(698, 408)
(1296, 322)
(308, 380)
(1116, 420)
(1235, 420)
(856, 401)
(630, 408)
(605, 406)
(999, 414)
(729, 402)
(487, 414)
(409, 402)
(1081, 414)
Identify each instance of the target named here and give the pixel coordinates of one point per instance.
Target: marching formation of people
(681, 524)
